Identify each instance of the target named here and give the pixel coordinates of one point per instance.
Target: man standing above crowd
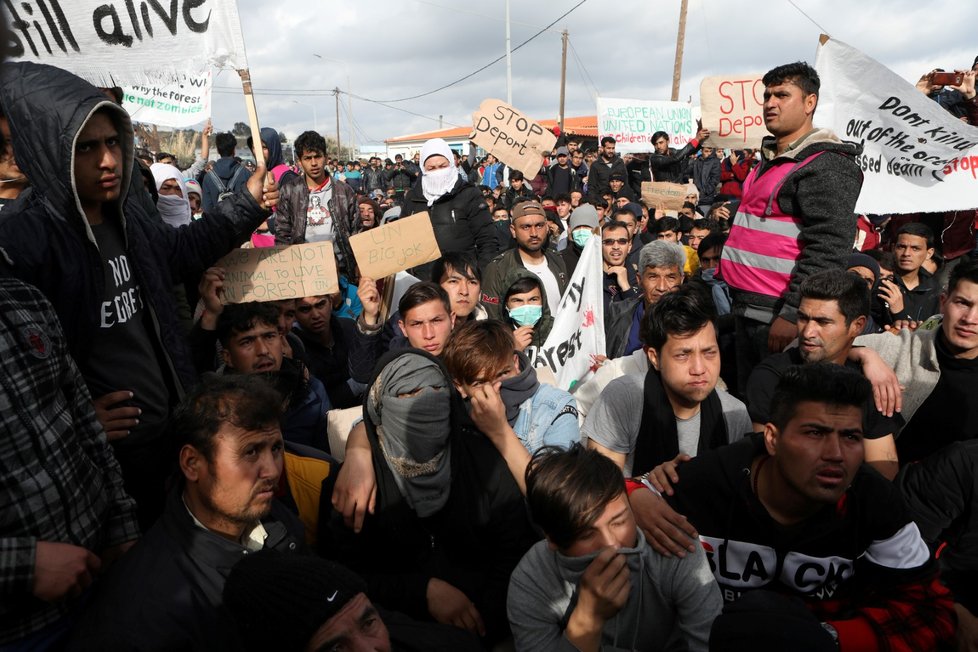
(795, 218)
(607, 164)
(87, 240)
(315, 208)
(374, 178)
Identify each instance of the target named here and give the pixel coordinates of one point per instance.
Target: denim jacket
(548, 418)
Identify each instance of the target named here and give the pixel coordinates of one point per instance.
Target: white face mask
(174, 209)
(437, 182)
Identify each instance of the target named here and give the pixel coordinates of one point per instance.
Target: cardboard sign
(181, 104)
(732, 108)
(510, 136)
(274, 273)
(632, 122)
(916, 156)
(577, 336)
(118, 42)
(664, 195)
(395, 246)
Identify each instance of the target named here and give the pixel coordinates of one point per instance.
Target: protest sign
(181, 104)
(395, 246)
(733, 110)
(577, 335)
(632, 122)
(273, 273)
(664, 195)
(114, 42)
(917, 157)
(510, 136)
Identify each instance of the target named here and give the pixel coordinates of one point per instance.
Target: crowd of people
(775, 450)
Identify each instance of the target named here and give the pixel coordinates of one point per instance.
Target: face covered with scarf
(173, 204)
(517, 383)
(438, 172)
(410, 407)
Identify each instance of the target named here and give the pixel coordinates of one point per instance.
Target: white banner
(181, 104)
(632, 122)
(577, 336)
(117, 42)
(916, 156)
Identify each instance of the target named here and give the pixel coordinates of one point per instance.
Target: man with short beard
(165, 593)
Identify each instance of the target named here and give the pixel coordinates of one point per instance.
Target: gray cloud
(397, 49)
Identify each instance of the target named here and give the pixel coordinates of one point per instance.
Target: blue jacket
(548, 418)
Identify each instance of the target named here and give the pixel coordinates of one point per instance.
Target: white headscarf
(436, 183)
(174, 210)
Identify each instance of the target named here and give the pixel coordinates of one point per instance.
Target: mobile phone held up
(946, 78)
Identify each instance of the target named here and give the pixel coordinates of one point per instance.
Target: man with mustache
(165, 593)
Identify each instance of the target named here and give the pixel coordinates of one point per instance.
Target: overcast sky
(384, 50)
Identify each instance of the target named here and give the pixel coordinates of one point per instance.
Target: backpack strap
(221, 188)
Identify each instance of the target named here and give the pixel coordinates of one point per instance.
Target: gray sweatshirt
(671, 606)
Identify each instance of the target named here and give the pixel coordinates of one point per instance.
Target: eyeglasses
(615, 241)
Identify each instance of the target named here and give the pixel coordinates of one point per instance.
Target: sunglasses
(615, 241)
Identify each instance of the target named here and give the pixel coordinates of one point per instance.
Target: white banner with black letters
(126, 42)
(577, 335)
(917, 157)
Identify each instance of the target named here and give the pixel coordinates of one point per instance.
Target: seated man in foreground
(795, 511)
(165, 593)
(595, 583)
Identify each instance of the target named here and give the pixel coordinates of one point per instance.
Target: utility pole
(677, 70)
(336, 94)
(563, 77)
(509, 62)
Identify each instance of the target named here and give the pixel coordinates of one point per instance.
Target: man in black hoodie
(98, 250)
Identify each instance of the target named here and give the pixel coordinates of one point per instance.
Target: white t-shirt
(319, 221)
(549, 284)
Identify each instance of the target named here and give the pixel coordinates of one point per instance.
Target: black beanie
(279, 600)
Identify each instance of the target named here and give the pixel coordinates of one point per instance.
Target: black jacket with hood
(48, 242)
(460, 219)
(497, 278)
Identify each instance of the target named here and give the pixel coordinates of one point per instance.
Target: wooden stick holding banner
(387, 297)
(249, 94)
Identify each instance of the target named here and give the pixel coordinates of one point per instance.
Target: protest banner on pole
(577, 335)
(917, 157)
(732, 108)
(395, 246)
(516, 140)
(664, 195)
(181, 104)
(274, 273)
(112, 43)
(632, 122)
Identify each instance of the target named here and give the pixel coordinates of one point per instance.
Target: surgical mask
(581, 236)
(526, 315)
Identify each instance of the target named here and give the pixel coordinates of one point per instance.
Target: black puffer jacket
(47, 241)
(460, 219)
(669, 166)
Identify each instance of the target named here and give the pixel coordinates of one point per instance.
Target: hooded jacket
(542, 328)
(460, 219)
(822, 194)
(599, 175)
(473, 542)
(48, 242)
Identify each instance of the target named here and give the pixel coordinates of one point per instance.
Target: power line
(824, 31)
(476, 72)
(583, 69)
